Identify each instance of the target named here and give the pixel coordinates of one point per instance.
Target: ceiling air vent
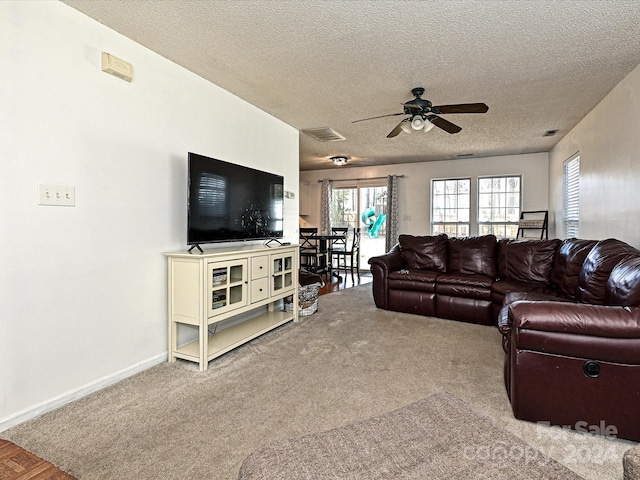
(461, 155)
(324, 134)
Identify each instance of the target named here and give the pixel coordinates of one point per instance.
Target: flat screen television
(229, 202)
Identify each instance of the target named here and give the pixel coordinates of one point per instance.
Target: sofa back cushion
(526, 260)
(623, 286)
(567, 265)
(473, 255)
(428, 252)
(597, 267)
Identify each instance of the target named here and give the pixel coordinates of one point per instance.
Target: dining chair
(312, 258)
(337, 244)
(348, 258)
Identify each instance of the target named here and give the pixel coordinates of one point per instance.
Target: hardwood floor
(343, 282)
(18, 464)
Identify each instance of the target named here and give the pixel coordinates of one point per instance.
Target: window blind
(572, 197)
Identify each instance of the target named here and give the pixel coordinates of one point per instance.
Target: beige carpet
(348, 362)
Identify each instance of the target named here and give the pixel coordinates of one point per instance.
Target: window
(571, 194)
(499, 205)
(451, 206)
(344, 207)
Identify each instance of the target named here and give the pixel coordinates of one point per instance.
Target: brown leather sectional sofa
(569, 312)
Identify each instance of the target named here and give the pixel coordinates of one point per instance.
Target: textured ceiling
(538, 64)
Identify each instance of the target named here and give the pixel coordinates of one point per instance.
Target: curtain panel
(325, 207)
(392, 212)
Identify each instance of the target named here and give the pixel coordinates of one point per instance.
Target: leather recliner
(577, 365)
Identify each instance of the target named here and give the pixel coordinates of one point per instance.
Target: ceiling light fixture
(418, 122)
(428, 126)
(339, 160)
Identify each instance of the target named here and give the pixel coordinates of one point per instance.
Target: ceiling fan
(423, 115)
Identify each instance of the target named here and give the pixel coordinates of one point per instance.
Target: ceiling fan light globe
(428, 126)
(406, 128)
(417, 122)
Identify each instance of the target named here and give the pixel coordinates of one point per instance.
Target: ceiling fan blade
(379, 116)
(445, 125)
(397, 130)
(412, 106)
(461, 108)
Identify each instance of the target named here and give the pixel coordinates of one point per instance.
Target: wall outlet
(57, 195)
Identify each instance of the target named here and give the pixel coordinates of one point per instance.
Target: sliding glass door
(364, 207)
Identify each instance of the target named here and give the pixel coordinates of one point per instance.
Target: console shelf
(226, 340)
(228, 284)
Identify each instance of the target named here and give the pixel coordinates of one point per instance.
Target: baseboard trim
(83, 391)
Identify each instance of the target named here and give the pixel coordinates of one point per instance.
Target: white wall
(608, 142)
(83, 289)
(415, 188)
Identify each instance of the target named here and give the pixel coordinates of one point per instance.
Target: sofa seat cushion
(417, 280)
(473, 255)
(427, 252)
(597, 267)
(536, 295)
(502, 287)
(464, 285)
(526, 260)
(567, 265)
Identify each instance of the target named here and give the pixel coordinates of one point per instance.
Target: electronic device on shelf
(231, 203)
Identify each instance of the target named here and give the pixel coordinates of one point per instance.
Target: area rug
(16, 463)
(439, 437)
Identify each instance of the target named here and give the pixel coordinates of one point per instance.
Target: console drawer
(259, 267)
(259, 289)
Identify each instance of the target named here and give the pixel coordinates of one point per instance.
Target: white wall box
(208, 288)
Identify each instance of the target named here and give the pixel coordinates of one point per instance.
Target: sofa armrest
(576, 318)
(607, 333)
(380, 268)
(389, 262)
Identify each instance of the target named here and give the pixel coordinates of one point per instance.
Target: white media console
(208, 290)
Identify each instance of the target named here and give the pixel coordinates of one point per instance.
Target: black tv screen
(228, 202)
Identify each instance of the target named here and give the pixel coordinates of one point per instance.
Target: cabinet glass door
(227, 286)
(282, 271)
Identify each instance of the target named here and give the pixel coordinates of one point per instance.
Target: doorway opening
(364, 207)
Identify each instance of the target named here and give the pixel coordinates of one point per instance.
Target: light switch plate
(57, 195)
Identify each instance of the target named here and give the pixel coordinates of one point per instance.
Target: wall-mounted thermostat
(117, 67)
